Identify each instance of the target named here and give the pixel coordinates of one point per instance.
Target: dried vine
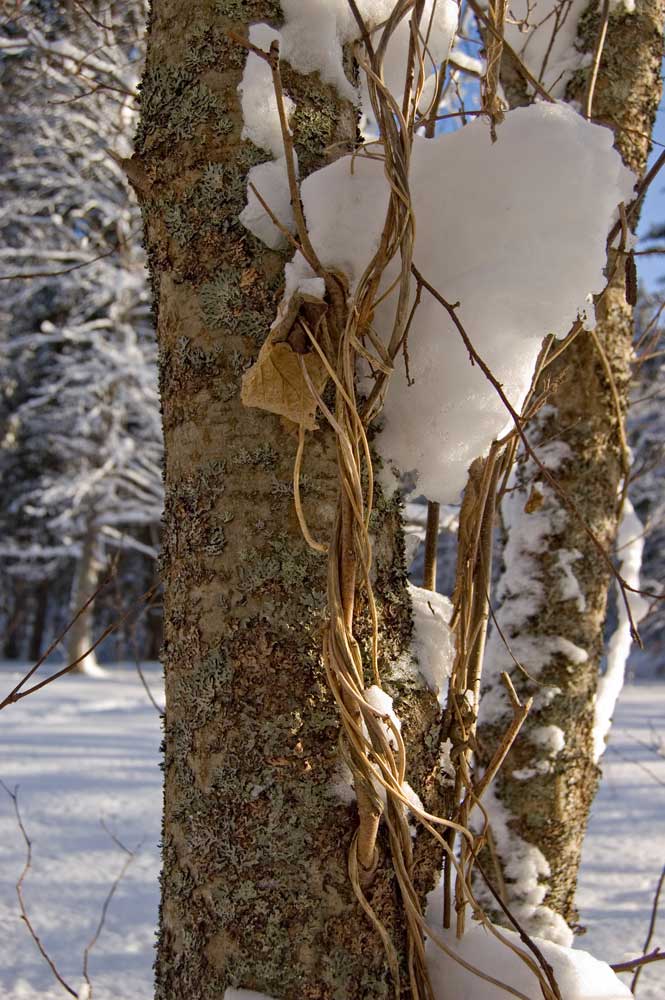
(371, 743)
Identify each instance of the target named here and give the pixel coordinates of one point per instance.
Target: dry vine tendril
(335, 338)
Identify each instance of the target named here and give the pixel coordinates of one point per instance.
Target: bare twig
(65, 270)
(650, 932)
(597, 56)
(524, 937)
(636, 963)
(523, 70)
(160, 711)
(42, 659)
(520, 712)
(640, 192)
(131, 855)
(568, 501)
(19, 893)
(17, 694)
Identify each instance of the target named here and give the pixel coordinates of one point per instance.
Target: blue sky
(650, 269)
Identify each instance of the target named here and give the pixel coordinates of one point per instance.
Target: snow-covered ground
(624, 850)
(85, 751)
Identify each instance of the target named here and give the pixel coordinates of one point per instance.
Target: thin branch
(81, 611)
(160, 711)
(17, 694)
(131, 855)
(636, 963)
(640, 191)
(597, 56)
(524, 937)
(520, 712)
(650, 932)
(19, 892)
(544, 471)
(66, 270)
(523, 70)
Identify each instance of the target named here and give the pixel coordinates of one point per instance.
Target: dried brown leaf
(275, 382)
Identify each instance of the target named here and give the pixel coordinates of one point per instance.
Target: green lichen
(263, 456)
(192, 527)
(193, 359)
(174, 105)
(209, 48)
(211, 206)
(222, 300)
(284, 562)
(311, 126)
(248, 10)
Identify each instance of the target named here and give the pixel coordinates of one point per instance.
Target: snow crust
(527, 537)
(382, 703)
(579, 975)
(555, 182)
(315, 32)
(272, 183)
(550, 738)
(630, 544)
(569, 586)
(433, 639)
(257, 96)
(525, 869)
(299, 278)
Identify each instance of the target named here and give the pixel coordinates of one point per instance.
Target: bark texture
(255, 891)
(549, 808)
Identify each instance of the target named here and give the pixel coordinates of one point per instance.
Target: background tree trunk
(255, 890)
(544, 794)
(80, 635)
(39, 621)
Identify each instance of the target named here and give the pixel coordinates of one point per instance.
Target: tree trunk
(553, 592)
(39, 621)
(11, 645)
(80, 635)
(255, 889)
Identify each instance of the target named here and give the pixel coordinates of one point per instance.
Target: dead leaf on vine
(275, 382)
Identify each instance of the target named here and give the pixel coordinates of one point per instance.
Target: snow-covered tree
(552, 596)
(81, 451)
(305, 742)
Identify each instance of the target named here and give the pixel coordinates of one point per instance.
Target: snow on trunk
(544, 33)
(630, 546)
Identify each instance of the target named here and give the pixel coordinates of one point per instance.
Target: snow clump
(433, 640)
(579, 975)
(515, 231)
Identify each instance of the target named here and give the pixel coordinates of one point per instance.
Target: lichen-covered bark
(255, 891)
(550, 810)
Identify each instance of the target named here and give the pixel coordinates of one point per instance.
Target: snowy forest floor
(84, 752)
